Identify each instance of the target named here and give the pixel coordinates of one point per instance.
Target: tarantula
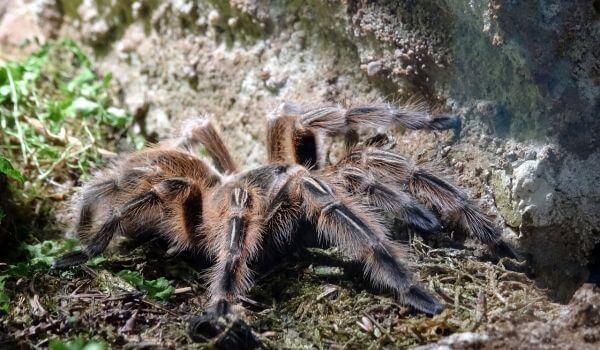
(228, 214)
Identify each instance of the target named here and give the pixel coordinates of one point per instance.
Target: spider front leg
(143, 211)
(358, 232)
(200, 131)
(234, 241)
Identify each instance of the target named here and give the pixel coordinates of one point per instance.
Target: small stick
(182, 290)
(158, 307)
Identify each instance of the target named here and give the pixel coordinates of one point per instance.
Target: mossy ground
(311, 299)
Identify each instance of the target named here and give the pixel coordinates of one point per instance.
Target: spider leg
(180, 196)
(335, 119)
(235, 242)
(100, 240)
(200, 131)
(343, 223)
(378, 194)
(289, 142)
(279, 144)
(93, 196)
(448, 199)
(295, 131)
(88, 204)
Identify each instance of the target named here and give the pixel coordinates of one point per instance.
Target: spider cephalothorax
(211, 207)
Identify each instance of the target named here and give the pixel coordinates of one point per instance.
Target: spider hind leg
(384, 196)
(359, 234)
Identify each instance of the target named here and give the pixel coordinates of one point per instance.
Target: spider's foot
(219, 325)
(505, 249)
(447, 121)
(422, 220)
(70, 259)
(422, 301)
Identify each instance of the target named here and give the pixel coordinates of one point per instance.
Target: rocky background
(523, 75)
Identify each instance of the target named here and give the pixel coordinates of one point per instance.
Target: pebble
(446, 150)
(373, 68)
(511, 156)
(214, 17)
(530, 155)
(232, 22)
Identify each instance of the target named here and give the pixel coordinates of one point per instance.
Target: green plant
(7, 169)
(77, 343)
(156, 289)
(57, 118)
(56, 114)
(39, 257)
(4, 299)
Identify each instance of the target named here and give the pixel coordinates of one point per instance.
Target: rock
(373, 68)
(577, 326)
(48, 16)
(466, 340)
(214, 17)
(17, 24)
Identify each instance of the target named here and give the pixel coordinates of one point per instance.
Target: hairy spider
(214, 208)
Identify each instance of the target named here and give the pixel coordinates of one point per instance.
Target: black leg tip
(422, 301)
(501, 248)
(205, 326)
(436, 309)
(422, 220)
(225, 332)
(69, 260)
(446, 122)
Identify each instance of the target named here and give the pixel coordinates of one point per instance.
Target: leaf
(7, 169)
(55, 111)
(77, 51)
(4, 299)
(95, 346)
(132, 277)
(45, 252)
(5, 90)
(159, 288)
(106, 80)
(116, 112)
(4, 302)
(156, 289)
(117, 117)
(84, 106)
(77, 343)
(97, 261)
(85, 77)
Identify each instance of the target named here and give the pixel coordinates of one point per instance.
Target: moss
(503, 198)
(307, 310)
